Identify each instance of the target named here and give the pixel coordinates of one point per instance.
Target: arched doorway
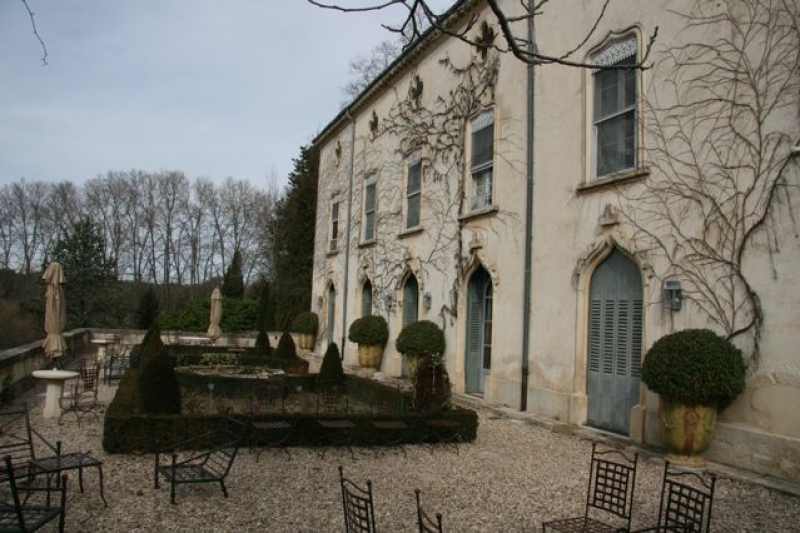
(615, 343)
(478, 360)
(410, 311)
(331, 312)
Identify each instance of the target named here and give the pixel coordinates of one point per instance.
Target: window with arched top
(366, 298)
(615, 108)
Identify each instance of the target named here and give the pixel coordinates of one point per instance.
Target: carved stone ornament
(373, 124)
(615, 52)
(415, 89)
(475, 243)
(485, 39)
(610, 216)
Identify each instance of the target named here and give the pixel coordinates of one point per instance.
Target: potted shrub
(370, 333)
(695, 372)
(420, 339)
(306, 325)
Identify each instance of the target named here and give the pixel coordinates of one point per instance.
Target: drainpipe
(526, 311)
(346, 283)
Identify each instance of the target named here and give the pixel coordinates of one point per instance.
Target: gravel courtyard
(513, 477)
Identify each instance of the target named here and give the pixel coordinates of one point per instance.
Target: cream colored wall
(568, 237)
(488, 238)
(571, 237)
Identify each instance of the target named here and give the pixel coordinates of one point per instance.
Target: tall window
(369, 208)
(615, 96)
(482, 160)
(366, 298)
(334, 240)
(410, 301)
(413, 190)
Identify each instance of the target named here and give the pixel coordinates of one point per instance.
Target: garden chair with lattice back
(210, 465)
(25, 508)
(686, 500)
(426, 523)
(81, 399)
(359, 513)
(612, 479)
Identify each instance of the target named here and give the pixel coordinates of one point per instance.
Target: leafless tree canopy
(721, 152)
(513, 36)
(158, 227)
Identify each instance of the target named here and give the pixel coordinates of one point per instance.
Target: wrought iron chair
(612, 479)
(424, 521)
(359, 515)
(117, 363)
(21, 510)
(270, 433)
(208, 466)
(17, 443)
(83, 399)
(686, 500)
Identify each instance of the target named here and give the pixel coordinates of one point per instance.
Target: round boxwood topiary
(306, 322)
(421, 338)
(695, 367)
(371, 329)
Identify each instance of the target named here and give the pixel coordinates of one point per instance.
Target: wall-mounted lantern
(672, 295)
(389, 301)
(319, 302)
(426, 301)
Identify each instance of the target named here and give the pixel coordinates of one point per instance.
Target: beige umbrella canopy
(214, 331)
(55, 311)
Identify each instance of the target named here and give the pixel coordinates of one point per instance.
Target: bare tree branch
(518, 45)
(36, 32)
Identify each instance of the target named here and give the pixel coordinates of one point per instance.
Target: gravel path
(511, 479)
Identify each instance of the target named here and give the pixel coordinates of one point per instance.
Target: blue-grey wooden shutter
(473, 363)
(614, 344)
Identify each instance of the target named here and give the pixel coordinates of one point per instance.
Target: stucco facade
(410, 148)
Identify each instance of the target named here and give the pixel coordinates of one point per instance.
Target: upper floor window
(369, 208)
(615, 109)
(482, 160)
(413, 190)
(334, 237)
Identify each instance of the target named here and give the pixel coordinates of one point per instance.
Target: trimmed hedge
(139, 434)
(306, 322)
(421, 338)
(695, 366)
(370, 329)
(127, 431)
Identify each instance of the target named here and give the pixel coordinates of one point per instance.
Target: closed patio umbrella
(55, 311)
(214, 331)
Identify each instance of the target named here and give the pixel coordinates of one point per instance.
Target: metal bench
(208, 466)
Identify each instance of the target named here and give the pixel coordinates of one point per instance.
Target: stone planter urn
(370, 355)
(306, 341)
(686, 431)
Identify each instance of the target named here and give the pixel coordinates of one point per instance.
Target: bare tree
(513, 23)
(721, 152)
(363, 69)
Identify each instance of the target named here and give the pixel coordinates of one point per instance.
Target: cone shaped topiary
(286, 350)
(331, 371)
(158, 386)
(262, 346)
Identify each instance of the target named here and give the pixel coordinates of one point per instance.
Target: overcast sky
(214, 88)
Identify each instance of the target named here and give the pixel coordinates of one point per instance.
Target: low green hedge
(144, 434)
(127, 431)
